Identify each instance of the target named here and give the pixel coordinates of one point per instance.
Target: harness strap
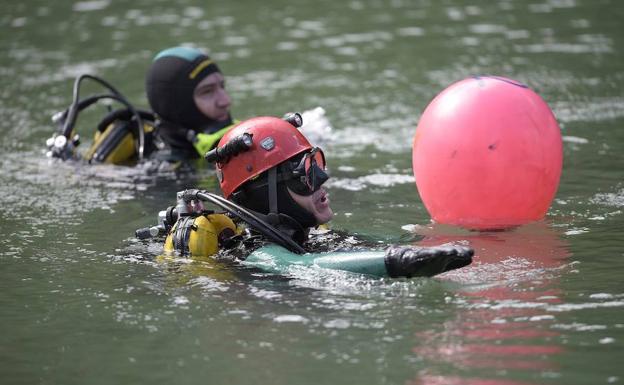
(182, 235)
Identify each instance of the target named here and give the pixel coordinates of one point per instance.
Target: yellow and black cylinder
(116, 144)
(199, 236)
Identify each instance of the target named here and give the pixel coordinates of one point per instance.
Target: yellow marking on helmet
(200, 67)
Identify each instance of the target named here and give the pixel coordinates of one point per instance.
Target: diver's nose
(223, 99)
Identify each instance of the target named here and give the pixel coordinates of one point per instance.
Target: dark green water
(543, 304)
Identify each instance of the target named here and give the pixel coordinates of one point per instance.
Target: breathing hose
(246, 216)
(70, 115)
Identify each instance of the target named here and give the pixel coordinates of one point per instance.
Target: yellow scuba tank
(114, 140)
(199, 236)
(118, 139)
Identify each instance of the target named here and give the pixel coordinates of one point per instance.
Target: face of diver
(211, 98)
(317, 204)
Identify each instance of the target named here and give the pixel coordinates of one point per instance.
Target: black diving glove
(407, 261)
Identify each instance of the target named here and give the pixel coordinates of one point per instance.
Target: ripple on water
(571, 48)
(615, 199)
(290, 318)
(88, 6)
(594, 110)
(574, 139)
(34, 184)
(62, 72)
(367, 181)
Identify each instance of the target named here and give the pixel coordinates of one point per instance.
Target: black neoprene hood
(171, 81)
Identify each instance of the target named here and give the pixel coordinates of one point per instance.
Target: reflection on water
(541, 304)
(504, 318)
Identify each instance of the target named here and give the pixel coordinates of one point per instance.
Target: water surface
(83, 302)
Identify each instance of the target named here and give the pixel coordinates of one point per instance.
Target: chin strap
(284, 223)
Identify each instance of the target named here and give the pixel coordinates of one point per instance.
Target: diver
(186, 91)
(273, 196)
(190, 113)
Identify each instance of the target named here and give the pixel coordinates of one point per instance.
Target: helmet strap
(272, 185)
(253, 196)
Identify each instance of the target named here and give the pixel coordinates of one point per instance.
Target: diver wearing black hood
(191, 112)
(185, 88)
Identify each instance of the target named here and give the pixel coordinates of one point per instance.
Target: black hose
(250, 218)
(77, 105)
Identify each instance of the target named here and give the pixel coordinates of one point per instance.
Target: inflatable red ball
(487, 154)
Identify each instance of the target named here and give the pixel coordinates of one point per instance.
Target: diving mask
(309, 174)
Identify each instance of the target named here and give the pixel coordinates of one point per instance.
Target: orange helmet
(270, 141)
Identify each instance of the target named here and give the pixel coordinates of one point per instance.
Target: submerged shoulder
(322, 240)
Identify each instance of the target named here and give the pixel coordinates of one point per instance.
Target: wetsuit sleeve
(363, 262)
(396, 261)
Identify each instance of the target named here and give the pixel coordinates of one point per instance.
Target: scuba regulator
(123, 136)
(190, 229)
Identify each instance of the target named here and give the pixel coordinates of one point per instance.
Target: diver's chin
(223, 118)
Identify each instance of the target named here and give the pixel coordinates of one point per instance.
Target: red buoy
(487, 154)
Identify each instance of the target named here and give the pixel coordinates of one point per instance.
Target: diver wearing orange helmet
(280, 175)
(272, 181)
